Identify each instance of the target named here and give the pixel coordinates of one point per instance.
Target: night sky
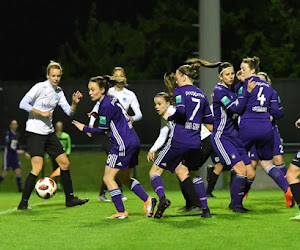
(32, 31)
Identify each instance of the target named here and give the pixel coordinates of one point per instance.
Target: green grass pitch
(50, 225)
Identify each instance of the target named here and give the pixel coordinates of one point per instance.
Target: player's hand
(251, 85)
(239, 76)
(46, 114)
(150, 155)
(297, 123)
(131, 119)
(79, 125)
(89, 134)
(27, 156)
(76, 97)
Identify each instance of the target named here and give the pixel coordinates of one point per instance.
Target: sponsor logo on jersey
(102, 120)
(240, 91)
(279, 100)
(217, 159)
(233, 156)
(225, 100)
(178, 99)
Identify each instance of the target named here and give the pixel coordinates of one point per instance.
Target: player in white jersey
(40, 102)
(128, 100)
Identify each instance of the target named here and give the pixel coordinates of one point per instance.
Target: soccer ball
(45, 187)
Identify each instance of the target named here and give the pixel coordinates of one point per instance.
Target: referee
(40, 101)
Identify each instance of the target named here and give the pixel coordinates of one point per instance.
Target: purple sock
(200, 190)
(282, 168)
(158, 185)
(116, 197)
(278, 177)
(137, 188)
(237, 189)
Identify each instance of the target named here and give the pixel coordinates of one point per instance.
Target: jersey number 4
(261, 96)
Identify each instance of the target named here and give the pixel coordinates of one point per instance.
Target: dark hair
(102, 81)
(166, 96)
(223, 66)
(191, 70)
(253, 63)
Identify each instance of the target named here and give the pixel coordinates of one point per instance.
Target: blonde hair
(121, 83)
(253, 63)
(268, 79)
(54, 65)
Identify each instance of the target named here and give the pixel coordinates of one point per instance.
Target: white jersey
(128, 100)
(43, 96)
(204, 132)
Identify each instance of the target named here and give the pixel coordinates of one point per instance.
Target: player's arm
(276, 108)
(136, 109)
(88, 129)
(180, 108)
(25, 104)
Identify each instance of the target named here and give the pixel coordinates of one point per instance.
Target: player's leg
(213, 174)
(18, 173)
(237, 187)
(292, 176)
(278, 152)
(114, 191)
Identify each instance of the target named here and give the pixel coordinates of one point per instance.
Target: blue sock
(137, 188)
(116, 197)
(282, 168)
(237, 189)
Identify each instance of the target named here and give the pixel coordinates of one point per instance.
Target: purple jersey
(192, 108)
(262, 103)
(113, 118)
(11, 158)
(225, 106)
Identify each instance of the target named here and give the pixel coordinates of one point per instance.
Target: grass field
(51, 225)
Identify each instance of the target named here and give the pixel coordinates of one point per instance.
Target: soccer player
(125, 145)
(225, 135)
(40, 102)
(128, 100)
(162, 102)
(65, 141)
(255, 126)
(292, 176)
(12, 149)
(184, 145)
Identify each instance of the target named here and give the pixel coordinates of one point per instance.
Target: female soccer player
(162, 102)
(128, 100)
(292, 176)
(277, 152)
(255, 126)
(40, 101)
(125, 146)
(225, 135)
(12, 150)
(192, 109)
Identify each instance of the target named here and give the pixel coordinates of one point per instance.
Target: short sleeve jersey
(194, 108)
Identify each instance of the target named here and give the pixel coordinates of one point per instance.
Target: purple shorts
(260, 134)
(230, 149)
(278, 147)
(169, 158)
(7, 165)
(123, 161)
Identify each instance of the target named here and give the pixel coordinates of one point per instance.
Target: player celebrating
(11, 151)
(255, 126)
(40, 101)
(292, 176)
(125, 146)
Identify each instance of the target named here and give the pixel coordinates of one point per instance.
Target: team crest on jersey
(225, 100)
(240, 91)
(217, 159)
(233, 156)
(124, 99)
(279, 100)
(102, 120)
(57, 97)
(178, 99)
